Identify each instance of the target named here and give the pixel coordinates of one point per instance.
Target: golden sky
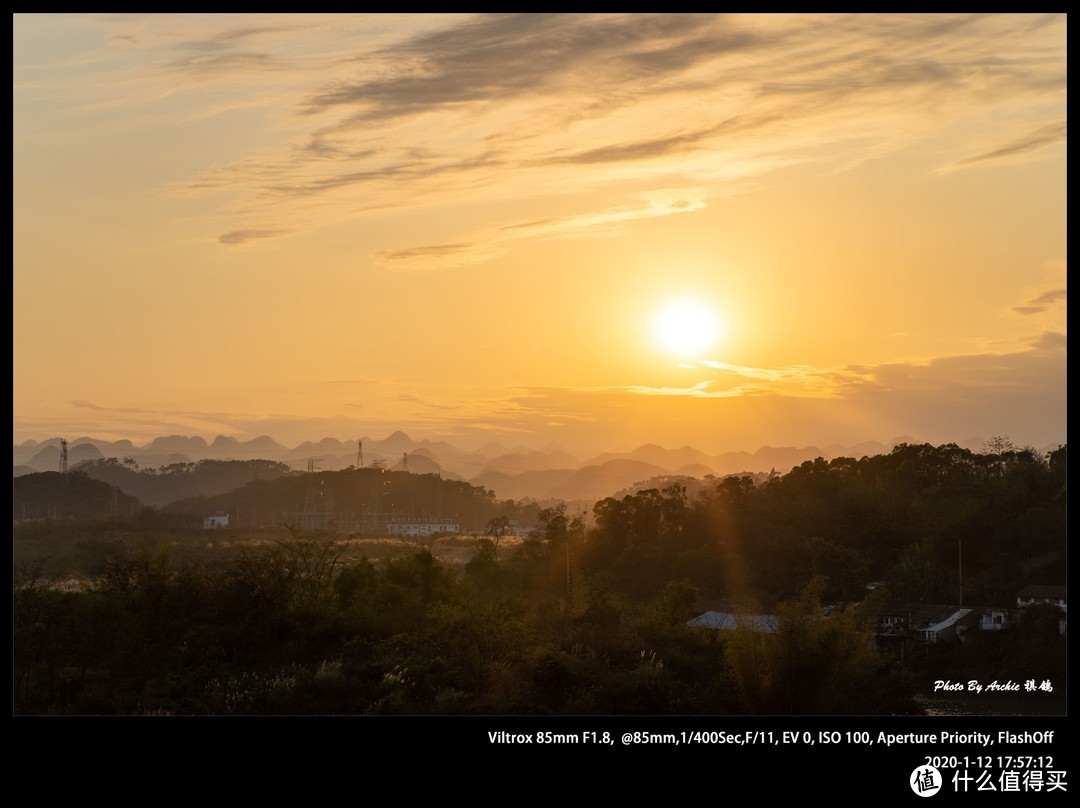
(464, 227)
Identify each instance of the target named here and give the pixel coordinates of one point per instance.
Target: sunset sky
(465, 227)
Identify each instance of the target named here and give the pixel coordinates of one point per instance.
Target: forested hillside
(589, 616)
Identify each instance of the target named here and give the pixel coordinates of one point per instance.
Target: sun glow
(686, 328)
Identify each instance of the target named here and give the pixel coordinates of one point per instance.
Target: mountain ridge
(341, 454)
(510, 473)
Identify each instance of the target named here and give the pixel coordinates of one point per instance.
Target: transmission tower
(310, 518)
(63, 460)
(412, 488)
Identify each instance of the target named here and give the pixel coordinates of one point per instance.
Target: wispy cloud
(1042, 302)
(500, 58)
(973, 372)
(379, 119)
(734, 381)
(228, 36)
(1033, 141)
(488, 244)
(218, 62)
(244, 236)
(936, 399)
(440, 255)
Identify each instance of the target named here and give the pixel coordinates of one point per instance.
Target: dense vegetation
(588, 617)
(907, 517)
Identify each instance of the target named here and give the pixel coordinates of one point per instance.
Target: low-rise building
(421, 527)
(1054, 595)
(994, 619)
(215, 520)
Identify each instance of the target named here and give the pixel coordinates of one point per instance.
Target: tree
(999, 444)
(677, 603)
(497, 527)
(312, 563)
(815, 663)
(557, 528)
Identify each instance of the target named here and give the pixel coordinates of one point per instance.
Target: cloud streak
(489, 244)
(1022, 393)
(244, 236)
(1042, 302)
(1041, 138)
(946, 375)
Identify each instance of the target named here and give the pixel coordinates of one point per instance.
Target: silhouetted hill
(183, 480)
(223, 445)
(51, 495)
(534, 461)
(397, 442)
(46, 459)
(194, 444)
(352, 500)
(419, 462)
(83, 452)
(695, 470)
(329, 445)
(590, 482)
(263, 447)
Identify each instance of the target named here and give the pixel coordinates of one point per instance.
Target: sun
(686, 328)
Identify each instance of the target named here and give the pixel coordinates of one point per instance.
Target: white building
(421, 527)
(216, 520)
(994, 619)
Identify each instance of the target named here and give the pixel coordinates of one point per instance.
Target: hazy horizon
(581, 453)
(720, 231)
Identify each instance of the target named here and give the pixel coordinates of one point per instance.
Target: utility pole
(412, 488)
(960, 559)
